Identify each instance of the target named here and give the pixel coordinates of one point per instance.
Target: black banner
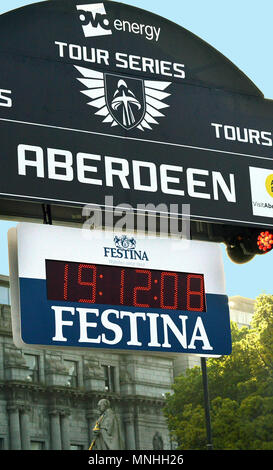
(117, 459)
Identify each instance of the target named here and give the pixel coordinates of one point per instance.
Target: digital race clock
(116, 291)
(116, 285)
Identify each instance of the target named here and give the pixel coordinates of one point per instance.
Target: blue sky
(242, 31)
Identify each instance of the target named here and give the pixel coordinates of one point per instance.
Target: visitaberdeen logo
(261, 183)
(125, 248)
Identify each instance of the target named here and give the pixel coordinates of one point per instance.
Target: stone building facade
(48, 398)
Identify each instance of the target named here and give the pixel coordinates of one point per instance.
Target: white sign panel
(116, 291)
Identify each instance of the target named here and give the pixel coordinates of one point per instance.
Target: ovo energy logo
(96, 23)
(94, 20)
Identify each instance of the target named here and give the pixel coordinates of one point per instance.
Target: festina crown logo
(124, 101)
(125, 243)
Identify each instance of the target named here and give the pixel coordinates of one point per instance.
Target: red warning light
(265, 241)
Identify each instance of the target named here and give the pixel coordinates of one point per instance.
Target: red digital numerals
(113, 285)
(148, 282)
(192, 294)
(165, 276)
(164, 290)
(92, 284)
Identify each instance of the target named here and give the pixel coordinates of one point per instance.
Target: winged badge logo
(124, 101)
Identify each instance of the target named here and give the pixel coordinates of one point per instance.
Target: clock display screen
(124, 286)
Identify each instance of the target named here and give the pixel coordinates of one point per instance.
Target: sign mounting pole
(47, 214)
(206, 402)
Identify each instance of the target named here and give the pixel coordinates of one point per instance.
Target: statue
(107, 429)
(157, 442)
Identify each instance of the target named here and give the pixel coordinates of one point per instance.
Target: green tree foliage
(240, 389)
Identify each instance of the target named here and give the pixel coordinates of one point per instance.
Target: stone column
(25, 439)
(117, 380)
(14, 423)
(64, 416)
(130, 440)
(56, 442)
